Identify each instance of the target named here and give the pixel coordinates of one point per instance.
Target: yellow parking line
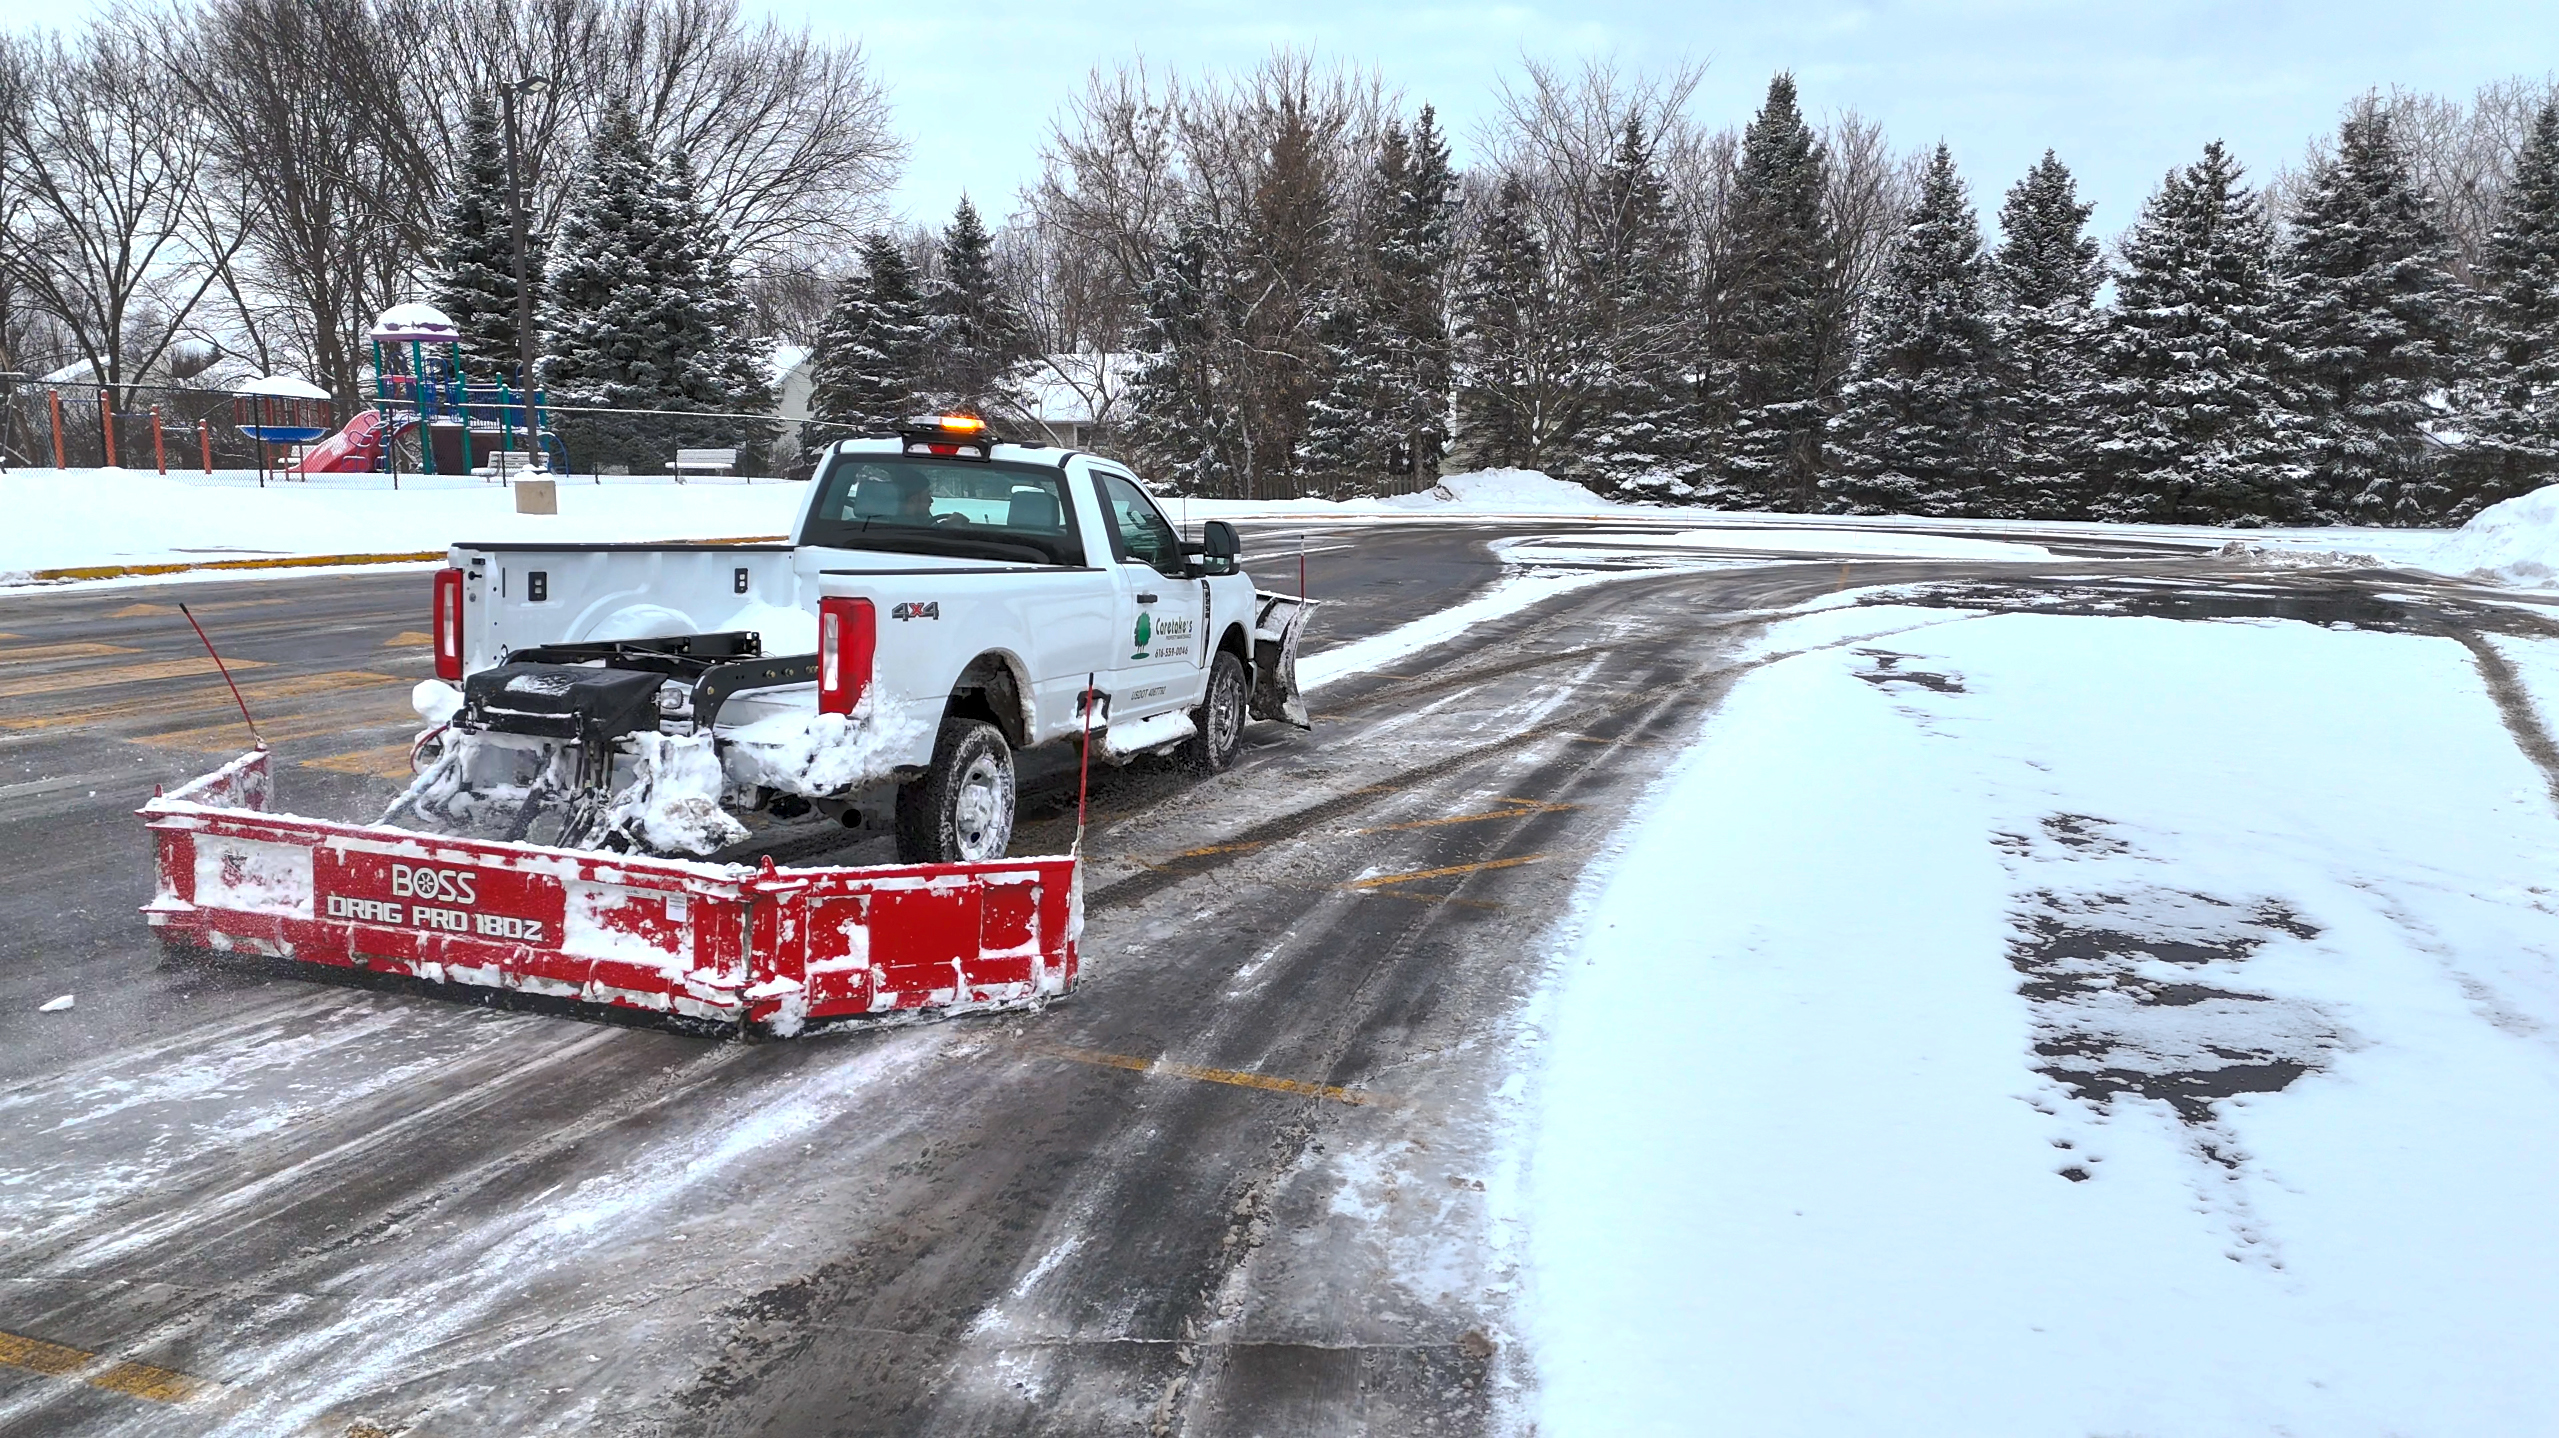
(408, 639)
(39, 652)
(230, 735)
(211, 696)
(144, 611)
(1170, 1069)
(119, 674)
(141, 1380)
(281, 561)
(1384, 879)
(390, 761)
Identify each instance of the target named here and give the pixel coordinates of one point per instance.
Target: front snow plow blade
(708, 944)
(1278, 619)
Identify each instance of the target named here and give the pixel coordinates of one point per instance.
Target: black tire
(1219, 721)
(962, 809)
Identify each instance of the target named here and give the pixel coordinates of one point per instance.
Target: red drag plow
(705, 944)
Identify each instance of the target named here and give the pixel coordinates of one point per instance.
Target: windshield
(953, 508)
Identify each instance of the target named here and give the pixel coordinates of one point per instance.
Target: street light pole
(531, 85)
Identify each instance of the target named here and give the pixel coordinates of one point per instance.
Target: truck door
(1160, 621)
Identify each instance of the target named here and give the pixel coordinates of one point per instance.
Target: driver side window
(1139, 534)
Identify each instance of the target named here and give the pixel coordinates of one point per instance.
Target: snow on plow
(710, 944)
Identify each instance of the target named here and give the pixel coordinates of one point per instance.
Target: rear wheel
(1220, 718)
(962, 809)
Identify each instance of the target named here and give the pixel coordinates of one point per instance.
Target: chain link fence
(179, 430)
(191, 431)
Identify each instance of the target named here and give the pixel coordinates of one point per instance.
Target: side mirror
(1219, 546)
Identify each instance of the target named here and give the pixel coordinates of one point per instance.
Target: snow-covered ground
(74, 519)
(2037, 1024)
(183, 518)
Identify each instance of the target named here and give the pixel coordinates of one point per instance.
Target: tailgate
(516, 596)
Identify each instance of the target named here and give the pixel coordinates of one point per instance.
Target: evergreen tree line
(2328, 370)
(1788, 317)
(638, 302)
(912, 333)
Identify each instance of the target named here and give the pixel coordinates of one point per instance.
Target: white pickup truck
(945, 600)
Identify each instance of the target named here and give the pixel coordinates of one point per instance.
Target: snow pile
(820, 754)
(674, 805)
(1977, 1013)
(2516, 542)
(1504, 491)
(2262, 557)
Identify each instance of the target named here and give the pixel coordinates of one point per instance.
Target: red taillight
(448, 624)
(848, 632)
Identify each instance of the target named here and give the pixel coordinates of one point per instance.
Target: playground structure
(429, 417)
(279, 411)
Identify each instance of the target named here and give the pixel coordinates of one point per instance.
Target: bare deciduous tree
(105, 163)
(331, 206)
(1866, 197)
(789, 135)
(1111, 180)
(2462, 155)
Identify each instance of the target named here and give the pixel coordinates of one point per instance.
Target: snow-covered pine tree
(1641, 441)
(1346, 446)
(2044, 280)
(868, 368)
(727, 364)
(975, 334)
(1913, 433)
(2514, 423)
(1417, 253)
(614, 313)
(1385, 329)
(2198, 426)
(2372, 319)
(1184, 430)
(1772, 297)
(1511, 357)
(473, 272)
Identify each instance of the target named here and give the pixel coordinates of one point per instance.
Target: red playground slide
(356, 449)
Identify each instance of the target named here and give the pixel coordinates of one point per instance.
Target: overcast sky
(2121, 91)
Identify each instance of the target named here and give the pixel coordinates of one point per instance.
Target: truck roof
(1041, 454)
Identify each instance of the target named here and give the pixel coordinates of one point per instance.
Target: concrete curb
(299, 561)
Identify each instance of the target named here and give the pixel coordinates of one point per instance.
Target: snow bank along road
(1246, 1181)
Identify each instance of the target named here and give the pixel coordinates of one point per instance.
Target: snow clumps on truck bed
(819, 754)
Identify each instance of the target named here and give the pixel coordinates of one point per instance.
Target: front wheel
(961, 811)
(1219, 721)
